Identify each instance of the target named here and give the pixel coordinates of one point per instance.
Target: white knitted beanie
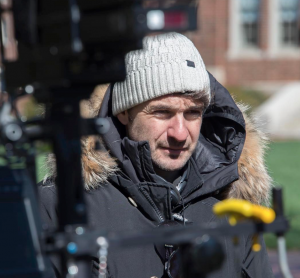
(168, 63)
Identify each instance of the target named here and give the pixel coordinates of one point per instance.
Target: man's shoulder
(48, 191)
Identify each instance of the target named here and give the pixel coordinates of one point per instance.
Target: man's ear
(123, 117)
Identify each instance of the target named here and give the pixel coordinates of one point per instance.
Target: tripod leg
(284, 266)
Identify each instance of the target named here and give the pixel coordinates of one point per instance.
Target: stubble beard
(169, 163)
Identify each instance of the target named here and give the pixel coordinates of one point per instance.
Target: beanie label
(190, 64)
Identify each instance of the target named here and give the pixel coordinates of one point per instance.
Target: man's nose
(178, 129)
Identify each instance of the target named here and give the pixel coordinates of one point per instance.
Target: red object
(175, 19)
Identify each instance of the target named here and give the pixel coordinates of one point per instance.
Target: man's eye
(161, 113)
(193, 114)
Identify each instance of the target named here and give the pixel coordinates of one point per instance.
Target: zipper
(145, 193)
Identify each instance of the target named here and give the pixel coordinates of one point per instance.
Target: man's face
(171, 124)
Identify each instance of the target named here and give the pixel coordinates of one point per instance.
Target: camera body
(77, 43)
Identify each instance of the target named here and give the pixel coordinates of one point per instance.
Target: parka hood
(231, 145)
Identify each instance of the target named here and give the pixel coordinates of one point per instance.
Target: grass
(283, 160)
(40, 167)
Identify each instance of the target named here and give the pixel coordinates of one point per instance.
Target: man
(168, 170)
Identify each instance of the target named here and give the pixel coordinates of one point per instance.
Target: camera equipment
(21, 254)
(78, 44)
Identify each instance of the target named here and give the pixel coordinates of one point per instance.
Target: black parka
(135, 199)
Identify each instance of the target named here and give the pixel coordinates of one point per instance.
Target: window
(289, 21)
(284, 34)
(245, 29)
(249, 14)
(281, 29)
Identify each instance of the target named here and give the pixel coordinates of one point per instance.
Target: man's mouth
(174, 151)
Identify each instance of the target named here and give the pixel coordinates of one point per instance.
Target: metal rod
(284, 266)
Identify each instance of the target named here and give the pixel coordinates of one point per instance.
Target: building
(250, 42)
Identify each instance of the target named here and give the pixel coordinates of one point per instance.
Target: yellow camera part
(240, 210)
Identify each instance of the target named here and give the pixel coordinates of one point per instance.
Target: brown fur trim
(97, 165)
(254, 183)
(90, 108)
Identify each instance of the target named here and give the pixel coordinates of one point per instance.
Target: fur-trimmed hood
(254, 183)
